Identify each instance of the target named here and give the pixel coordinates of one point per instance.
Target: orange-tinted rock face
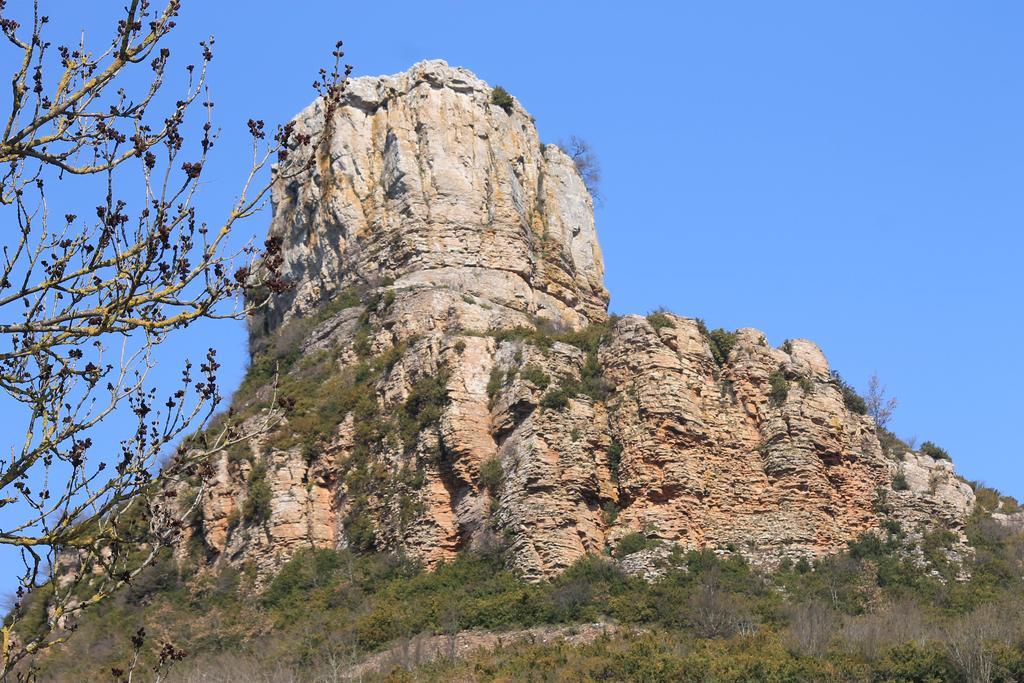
(455, 227)
(710, 459)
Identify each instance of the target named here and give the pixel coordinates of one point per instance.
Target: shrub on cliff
(535, 376)
(591, 337)
(592, 380)
(658, 320)
(491, 474)
(543, 335)
(614, 459)
(494, 384)
(853, 401)
(634, 543)
(720, 340)
(423, 406)
(779, 387)
(556, 399)
(256, 509)
(500, 97)
(930, 449)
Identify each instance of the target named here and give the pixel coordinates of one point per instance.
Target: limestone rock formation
(450, 377)
(427, 185)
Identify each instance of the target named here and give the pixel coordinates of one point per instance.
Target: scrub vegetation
(872, 612)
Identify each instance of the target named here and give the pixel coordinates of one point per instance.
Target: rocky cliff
(450, 377)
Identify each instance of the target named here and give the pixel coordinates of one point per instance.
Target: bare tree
(715, 613)
(811, 627)
(972, 640)
(582, 155)
(88, 297)
(875, 632)
(880, 406)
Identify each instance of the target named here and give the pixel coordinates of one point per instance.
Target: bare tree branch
(880, 406)
(582, 155)
(87, 299)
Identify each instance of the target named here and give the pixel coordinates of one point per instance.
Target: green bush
(309, 569)
(423, 406)
(614, 459)
(543, 335)
(899, 482)
(491, 474)
(609, 513)
(591, 337)
(719, 340)
(556, 399)
(350, 297)
(658, 320)
(936, 453)
(891, 444)
(500, 97)
(361, 343)
(535, 376)
(256, 508)
(369, 602)
(893, 527)
(592, 380)
(634, 542)
(986, 498)
(853, 401)
(914, 662)
(494, 384)
(536, 336)
(721, 343)
(359, 529)
(779, 387)
(867, 546)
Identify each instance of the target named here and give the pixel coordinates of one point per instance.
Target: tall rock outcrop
(450, 377)
(427, 185)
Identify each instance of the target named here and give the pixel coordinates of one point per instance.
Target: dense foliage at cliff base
(874, 612)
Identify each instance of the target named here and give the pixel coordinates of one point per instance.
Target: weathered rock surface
(417, 417)
(427, 184)
(422, 649)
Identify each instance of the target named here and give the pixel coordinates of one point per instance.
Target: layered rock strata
(451, 378)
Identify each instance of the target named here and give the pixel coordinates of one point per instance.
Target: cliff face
(427, 184)
(458, 382)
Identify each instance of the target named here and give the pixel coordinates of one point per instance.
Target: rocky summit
(443, 374)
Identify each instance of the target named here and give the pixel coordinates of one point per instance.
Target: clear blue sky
(852, 173)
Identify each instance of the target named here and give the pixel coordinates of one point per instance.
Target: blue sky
(850, 173)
